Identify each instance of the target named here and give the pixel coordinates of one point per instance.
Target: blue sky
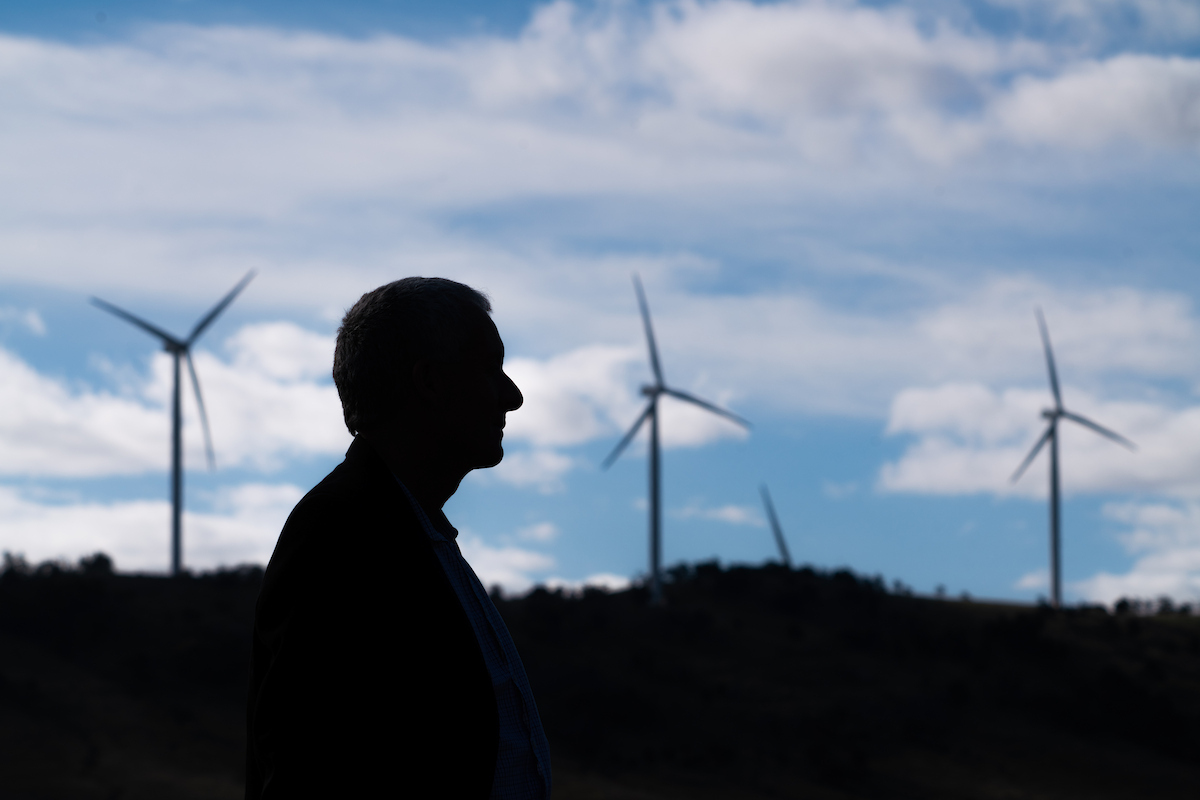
(844, 215)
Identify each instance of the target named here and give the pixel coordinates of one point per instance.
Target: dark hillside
(765, 682)
(747, 683)
(122, 686)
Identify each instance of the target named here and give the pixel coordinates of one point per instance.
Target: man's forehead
(486, 343)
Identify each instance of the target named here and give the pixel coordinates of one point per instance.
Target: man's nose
(511, 397)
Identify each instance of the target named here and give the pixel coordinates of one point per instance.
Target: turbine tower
(1052, 417)
(181, 350)
(775, 527)
(653, 392)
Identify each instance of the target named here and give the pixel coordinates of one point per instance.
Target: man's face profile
(476, 396)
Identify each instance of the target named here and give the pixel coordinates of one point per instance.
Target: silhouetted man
(380, 667)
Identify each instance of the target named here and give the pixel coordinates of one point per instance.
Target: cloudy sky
(844, 215)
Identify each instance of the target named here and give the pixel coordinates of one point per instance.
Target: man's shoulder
(356, 491)
(355, 521)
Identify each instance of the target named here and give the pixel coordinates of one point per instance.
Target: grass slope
(746, 683)
(776, 683)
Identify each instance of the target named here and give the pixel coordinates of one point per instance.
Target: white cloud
(539, 469)
(969, 411)
(27, 318)
(969, 436)
(263, 407)
(729, 513)
(821, 76)
(509, 567)
(271, 400)
(990, 332)
(1165, 538)
(1036, 580)
(601, 580)
(971, 439)
(260, 419)
(49, 429)
(583, 395)
(171, 161)
(683, 424)
(574, 397)
(241, 528)
(541, 532)
(1126, 98)
(587, 394)
(187, 147)
(282, 351)
(790, 352)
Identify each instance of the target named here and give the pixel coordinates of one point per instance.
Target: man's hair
(388, 330)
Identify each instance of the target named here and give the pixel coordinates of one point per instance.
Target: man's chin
(491, 459)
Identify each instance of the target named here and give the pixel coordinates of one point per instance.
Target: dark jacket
(366, 677)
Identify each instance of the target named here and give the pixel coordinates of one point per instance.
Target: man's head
(423, 351)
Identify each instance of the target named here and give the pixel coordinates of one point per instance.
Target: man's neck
(421, 469)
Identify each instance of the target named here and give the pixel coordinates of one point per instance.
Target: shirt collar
(438, 529)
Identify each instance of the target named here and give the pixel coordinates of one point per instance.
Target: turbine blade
(138, 321)
(775, 527)
(621, 445)
(691, 398)
(1100, 429)
(1049, 360)
(654, 363)
(1033, 453)
(208, 446)
(219, 307)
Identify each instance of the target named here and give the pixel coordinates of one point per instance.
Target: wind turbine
(181, 350)
(775, 527)
(1052, 416)
(653, 392)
